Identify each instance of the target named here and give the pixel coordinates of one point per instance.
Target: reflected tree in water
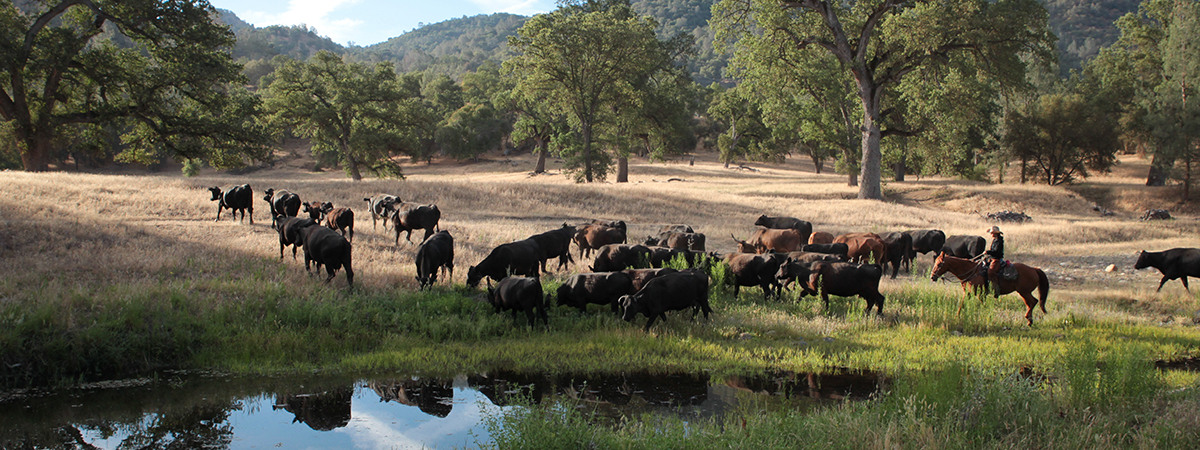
(323, 411)
(433, 397)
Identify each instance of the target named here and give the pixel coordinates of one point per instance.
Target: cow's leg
(407, 237)
(650, 321)
(218, 219)
(428, 233)
(825, 298)
(1161, 282)
(1185, 286)
(331, 271)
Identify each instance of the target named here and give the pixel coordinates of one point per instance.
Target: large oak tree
(878, 43)
(166, 88)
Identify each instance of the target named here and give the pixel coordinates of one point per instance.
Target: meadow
(112, 275)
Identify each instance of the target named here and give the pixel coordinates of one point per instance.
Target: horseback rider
(995, 253)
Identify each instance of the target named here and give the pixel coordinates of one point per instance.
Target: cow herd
(630, 278)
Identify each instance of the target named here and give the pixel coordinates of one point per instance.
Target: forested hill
(460, 45)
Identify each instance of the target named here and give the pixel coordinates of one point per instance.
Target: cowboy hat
(994, 230)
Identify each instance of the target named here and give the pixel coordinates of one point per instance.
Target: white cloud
(315, 14)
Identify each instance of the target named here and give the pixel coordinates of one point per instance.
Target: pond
(378, 412)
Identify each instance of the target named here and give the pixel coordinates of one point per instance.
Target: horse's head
(939, 267)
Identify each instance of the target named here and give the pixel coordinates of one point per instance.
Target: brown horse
(973, 275)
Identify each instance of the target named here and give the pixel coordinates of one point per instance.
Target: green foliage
(191, 167)
(159, 73)
(453, 47)
(1063, 137)
(1085, 27)
(470, 131)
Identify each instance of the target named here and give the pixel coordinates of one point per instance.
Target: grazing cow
(899, 247)
(863, 247)
(340, 219)
(618, 224)
(793, 269)
(779, 240)
(325, 247)
(841, 249)
(517, 258)
(1174, 263)
(592, 236)
(235, 198)
(671, 239)
(642, 276)
(600, 288)
(845, 279)
(808, 257)
(436, 252)
(289, 233)
(556, 244)
(671, 292)
(614, 257)
(821, 237)
(925, 241)
(678, 228)
(519, 294)
(964, 246)
(382, 206)
(782, 223)
(412, 216)
(282, 203)
(749, 269)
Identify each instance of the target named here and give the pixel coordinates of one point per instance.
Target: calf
(780, 223)
(964, 246)
(235, 198)
(339, 219)
(382, 206)
(749, 269)
(670, 292)
(841, 249)
(283, 203)
(591, 237)
(600, 288)
(555, 244)
(316, 210)
(820, 237)
(519, 294)
(518, 258)
(1174, 263)
(325, 247)
(436, 252)
(774, 240)
(844, 279)
(411, 216)
(863, 247)
(899, 249)
(642, 276)
(614, 257)
(289, 233)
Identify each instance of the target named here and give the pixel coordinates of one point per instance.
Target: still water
(323, 412)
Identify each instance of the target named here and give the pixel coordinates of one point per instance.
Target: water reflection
(383, 413)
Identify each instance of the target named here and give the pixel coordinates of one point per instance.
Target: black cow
(845, 280)
(1174, 263)
(556, 243)
(671, 292)
(600, 288)
(517, 258)
(925, 241)
(412, 216)
(678, 228)
(614, 257)
(316, 210)
(964, 246)
(235, 198)
(783, 223)
(750, 269)
(289, 233)
(382, 206)
(899, 250)
(519, 294)
(829, 249)
(793, 269)
(435, 252)
(326, 247)
(282, 203)
(677, 240)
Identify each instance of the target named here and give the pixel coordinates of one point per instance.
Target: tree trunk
(853, 178)
(1187, 178)
(351, 163)
(34, 158)
(1160, 169)
(899, 169)
(1024, 165)
(623, 169)
(818, 163)
(871, 156)
(587, 151)
(541, 164)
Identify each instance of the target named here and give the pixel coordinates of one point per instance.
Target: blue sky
(366, 22)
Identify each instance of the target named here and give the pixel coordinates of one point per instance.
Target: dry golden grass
(95, 229)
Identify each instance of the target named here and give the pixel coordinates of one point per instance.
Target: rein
(973, 274)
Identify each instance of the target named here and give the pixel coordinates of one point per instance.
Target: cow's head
(762, 221)
(1143, 260)
(743, 246)
(473, 277)
(216, 192)
(630, 306)
(651, 241)
(270, 193)
(564, 295)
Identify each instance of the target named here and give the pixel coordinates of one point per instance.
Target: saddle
(1007, 271)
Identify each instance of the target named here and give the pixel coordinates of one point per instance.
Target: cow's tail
(1043, 289)
(349, 267)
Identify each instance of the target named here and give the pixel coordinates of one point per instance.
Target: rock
(1009, 216)
(1111, 268)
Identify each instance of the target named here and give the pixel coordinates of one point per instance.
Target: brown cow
(339, 219)
(863, 247)
(775, 240)
(820, 237)
(591, 237)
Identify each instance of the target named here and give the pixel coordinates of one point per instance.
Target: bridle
(974, 273)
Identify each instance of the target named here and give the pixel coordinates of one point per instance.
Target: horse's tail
(1043, 289)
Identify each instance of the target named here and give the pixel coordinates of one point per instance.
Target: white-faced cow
(235, 198)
